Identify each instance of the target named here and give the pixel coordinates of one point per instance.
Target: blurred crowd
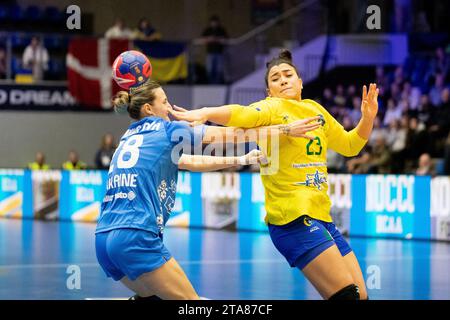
(102, 158)
(411, 132)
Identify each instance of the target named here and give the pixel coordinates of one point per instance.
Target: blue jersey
(142, 178)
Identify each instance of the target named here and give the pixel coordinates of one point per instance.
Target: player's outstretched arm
(198, 163)
(220, 115)
(298, 128)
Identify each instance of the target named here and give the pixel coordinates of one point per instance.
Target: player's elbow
(353, 153)
(349, 152)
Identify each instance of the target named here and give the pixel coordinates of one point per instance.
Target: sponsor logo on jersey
(120, 195)
(313, 180)
(307, 221)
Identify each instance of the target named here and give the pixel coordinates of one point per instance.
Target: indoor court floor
(37, 260)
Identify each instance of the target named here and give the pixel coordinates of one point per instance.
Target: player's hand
(299, 128)
(194, 117)
(253, 157)
(369, 103)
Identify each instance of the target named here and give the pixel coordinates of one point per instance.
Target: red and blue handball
(131, 69)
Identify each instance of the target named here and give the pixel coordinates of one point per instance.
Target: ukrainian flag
(168, 59)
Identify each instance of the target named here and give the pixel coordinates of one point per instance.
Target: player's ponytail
(285, 56)
(121, 102)
(133, 101)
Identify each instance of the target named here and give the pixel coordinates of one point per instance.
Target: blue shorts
(303, 239)
(130, 252)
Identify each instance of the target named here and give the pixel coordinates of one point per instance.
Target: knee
(363, 294)
(350, 292)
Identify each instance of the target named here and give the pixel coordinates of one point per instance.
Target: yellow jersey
(36, 166)
(80, 165)
(298, 182)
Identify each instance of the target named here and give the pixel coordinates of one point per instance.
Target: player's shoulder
(312, 103)
(267, 103)
(176, 124)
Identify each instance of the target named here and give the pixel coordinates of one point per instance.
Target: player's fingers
(308, 120)
(311, 127)
(179, 108)
(305, 128)
(307, 136)
(369, 92)
(372, 91)
(175, 114)
(195, 123)
(364, 93)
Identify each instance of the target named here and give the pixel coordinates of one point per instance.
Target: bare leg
(169, 282)
(328, 272)
(355, 270)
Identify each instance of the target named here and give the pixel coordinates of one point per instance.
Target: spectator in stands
(380, 160)
(440, 64)
(339, 98)
(35, 57)
(396, 141)
(445, 100)
(335, 162)
(435, 92)
(393, 113)
(377, 131)
(443, 116)
(355, 112)
(412, 95)
(347, 123)
(425, 166)
(215, 37)
(399, 76)
(74, 163)
(394, 91)
(417, 142)
(104, 154)
(2, 63)
(39, 162)
(327, 97)
(361, 164)
(381, 79)
(145, 31)
(351, 93)
(118, 31)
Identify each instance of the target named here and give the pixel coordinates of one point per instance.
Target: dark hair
(285, 56)
(133, 101)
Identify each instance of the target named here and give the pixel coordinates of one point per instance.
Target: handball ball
(131, 69)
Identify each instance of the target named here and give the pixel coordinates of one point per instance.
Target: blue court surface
(36, 259)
